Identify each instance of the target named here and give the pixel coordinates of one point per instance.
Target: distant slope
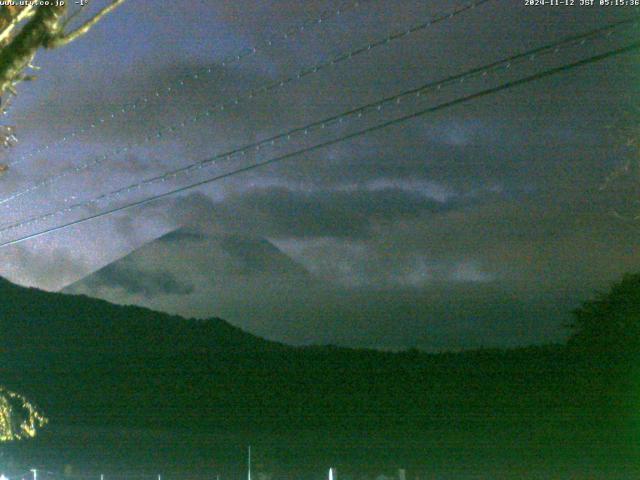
(84, 359)
(243, 278)
(88, 362)
(127, 386)
(185, 262)
(44, 322)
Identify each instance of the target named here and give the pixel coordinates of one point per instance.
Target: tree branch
(17, 55)
(25, 13)
(64, 39)
(45, 29)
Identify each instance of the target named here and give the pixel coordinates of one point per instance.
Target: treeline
(88, 362)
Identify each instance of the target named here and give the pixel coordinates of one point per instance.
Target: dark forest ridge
(94, 367)
(49, 322)
(87, 361)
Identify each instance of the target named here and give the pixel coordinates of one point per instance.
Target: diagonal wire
(506, 63)
(358, 112)
(507, 85)
(227, 61)
(251, 94)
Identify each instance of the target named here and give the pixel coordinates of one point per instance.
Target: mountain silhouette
(89, 362)
(193, 273)
(101, 372)
(156, 266)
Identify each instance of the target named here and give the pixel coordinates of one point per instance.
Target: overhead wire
(447, 104)
(229, 60)
(357, 113)
(251, 94)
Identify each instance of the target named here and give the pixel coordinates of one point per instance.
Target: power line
(356, 113)
(441, 106)
(256, 92)
(288, 34)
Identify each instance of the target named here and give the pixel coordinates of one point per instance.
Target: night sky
(483, 224)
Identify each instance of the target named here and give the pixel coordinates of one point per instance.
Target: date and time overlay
(582, 3)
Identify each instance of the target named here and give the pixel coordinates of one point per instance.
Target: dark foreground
(130, 391)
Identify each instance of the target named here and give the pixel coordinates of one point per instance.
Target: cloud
(204, 263)
(477, 222)
(370, 264)
(33, 266)
(134, 281)
(182, 237)
(286, 213)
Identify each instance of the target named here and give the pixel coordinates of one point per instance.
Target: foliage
(611, 322)
(26, 29)
(18, 418)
